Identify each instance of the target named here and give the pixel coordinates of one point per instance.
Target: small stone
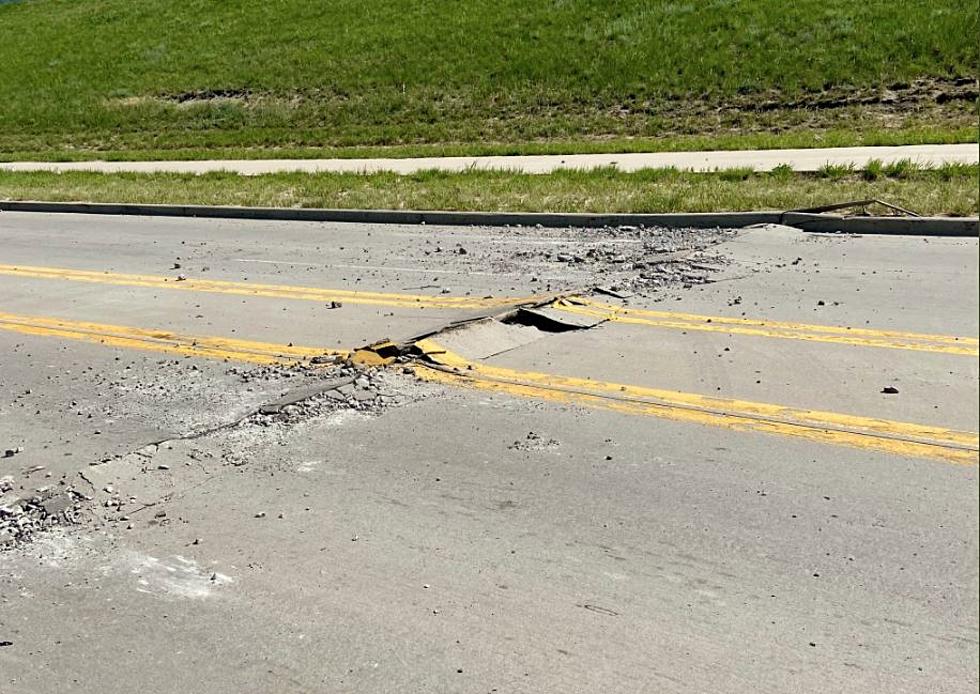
(889, 390)
(260, 514)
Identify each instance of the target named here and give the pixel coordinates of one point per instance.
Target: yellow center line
(900, 438)
(281, 291)
(864, 337)
(161, 340)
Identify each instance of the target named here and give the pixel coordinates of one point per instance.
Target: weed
(873, 170)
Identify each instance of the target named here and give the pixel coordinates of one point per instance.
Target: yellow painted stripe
(160, 340)
(864, 337)
(282, 291)
(900, 438)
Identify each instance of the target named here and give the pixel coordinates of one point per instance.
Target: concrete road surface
(759, 160)
(747, 463)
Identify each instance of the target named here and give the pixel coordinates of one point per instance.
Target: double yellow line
(862, 337)
(899, 438)
(279, 291)
(442, 366)
(161, 340)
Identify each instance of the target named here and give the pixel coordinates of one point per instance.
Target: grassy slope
(949, 190)
(91, 73)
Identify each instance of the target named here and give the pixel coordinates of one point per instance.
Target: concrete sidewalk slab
(758, 160)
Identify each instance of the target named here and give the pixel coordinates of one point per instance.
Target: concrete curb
(918, 226)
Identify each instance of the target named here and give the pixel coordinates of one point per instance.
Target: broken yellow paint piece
(898, 438)
(376, 354)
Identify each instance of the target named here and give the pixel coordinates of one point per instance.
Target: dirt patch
(243, 98)
(900, 96)
(932, 100)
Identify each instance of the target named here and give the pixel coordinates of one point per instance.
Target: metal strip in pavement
(863, 337)
(897, 438)
(161, 340)
(281, 291)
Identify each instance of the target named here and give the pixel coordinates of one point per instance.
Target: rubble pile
(629, 258)
(22, 515)
(346, 387)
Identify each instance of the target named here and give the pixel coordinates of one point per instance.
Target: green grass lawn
(949, 190)
(161, 78)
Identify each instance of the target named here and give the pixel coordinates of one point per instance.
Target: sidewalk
(759, 160)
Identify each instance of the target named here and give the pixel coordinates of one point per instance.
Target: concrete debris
(347, 386)
(534, 442)
(625, 260)
(22, 516)
(614, 292)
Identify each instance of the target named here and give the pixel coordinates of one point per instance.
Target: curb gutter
(917, 226)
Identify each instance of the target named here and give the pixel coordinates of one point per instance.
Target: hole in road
(544, 320)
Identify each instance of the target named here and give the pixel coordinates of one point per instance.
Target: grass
(951, 189)
(792, 139)
(156, 78)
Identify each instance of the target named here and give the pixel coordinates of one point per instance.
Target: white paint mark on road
(175, 576)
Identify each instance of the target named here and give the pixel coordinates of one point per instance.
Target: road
(759, 160)
(747, 464)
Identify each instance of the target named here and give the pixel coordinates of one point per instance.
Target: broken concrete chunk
(56, 504)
